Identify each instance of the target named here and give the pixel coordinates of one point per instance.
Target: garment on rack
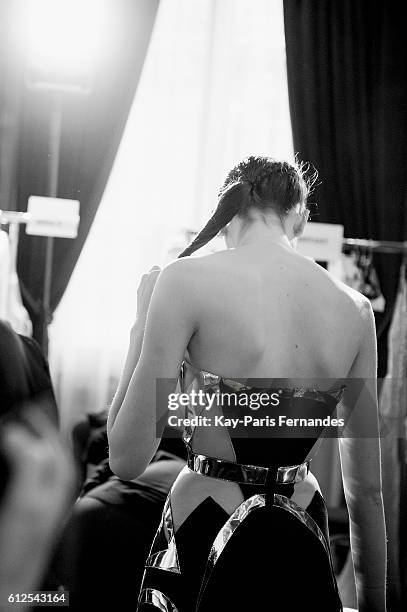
(393, 414)
(249, 533)
(17, 314)
(4, 267)
(11, 303)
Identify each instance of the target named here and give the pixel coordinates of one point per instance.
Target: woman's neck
(258, 234)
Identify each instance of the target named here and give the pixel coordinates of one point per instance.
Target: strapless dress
(269, 551)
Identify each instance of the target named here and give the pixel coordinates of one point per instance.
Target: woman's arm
(171, 322)
(144, 293)
(361, 469)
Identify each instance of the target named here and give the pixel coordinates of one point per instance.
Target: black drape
(92, 126)
(347, 69)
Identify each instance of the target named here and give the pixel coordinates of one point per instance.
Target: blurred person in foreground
(36, 469)
(35, 500)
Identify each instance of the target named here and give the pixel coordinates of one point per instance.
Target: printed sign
(58, 217)
(321, 241)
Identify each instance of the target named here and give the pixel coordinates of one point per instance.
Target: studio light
(61, 40)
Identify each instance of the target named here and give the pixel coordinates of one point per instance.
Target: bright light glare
(62, 36)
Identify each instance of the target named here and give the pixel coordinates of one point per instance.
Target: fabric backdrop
(347, 66)
(193, 117)
(92, 126)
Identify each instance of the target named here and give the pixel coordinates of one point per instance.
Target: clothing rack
(380, 246)
(13, 219)
(13, 216)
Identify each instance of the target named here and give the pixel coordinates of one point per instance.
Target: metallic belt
(244, 474)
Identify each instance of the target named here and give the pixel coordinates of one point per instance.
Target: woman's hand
(144, 292)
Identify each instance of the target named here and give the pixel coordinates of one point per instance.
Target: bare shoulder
(359, 303)
(349, 309)
(185, 268)
(353, 299)
(184, 277)
(194, 267)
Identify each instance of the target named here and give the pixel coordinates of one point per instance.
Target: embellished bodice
(268, 425)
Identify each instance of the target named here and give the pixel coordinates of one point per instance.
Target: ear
(232, 230)
(300, 224)
(224, 233)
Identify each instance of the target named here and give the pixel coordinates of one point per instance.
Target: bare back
(265, 312)
(270, 312)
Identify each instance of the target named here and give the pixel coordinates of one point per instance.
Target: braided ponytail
(259, 182)
(234, 199)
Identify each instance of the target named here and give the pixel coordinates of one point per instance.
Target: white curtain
(213, 90)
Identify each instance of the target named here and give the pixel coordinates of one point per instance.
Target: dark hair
(256, 182)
